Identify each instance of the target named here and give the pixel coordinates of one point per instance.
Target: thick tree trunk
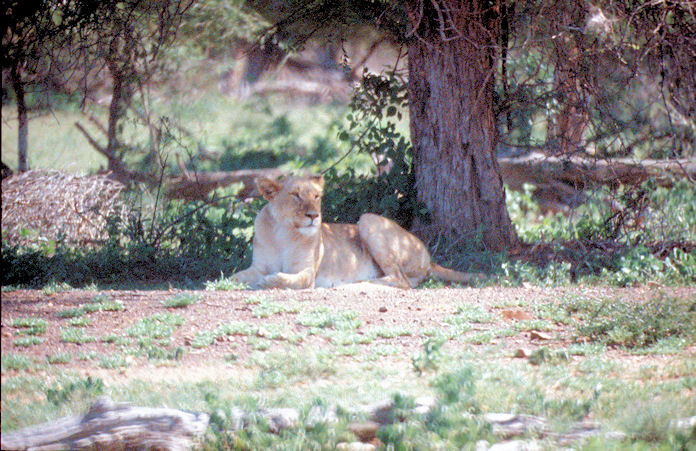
(453, 132)
(22, 119)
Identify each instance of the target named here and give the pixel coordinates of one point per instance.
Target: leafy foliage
(376, 106)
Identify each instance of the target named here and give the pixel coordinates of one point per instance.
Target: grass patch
(389, 332)
(225, 284)
(82, 388)
(73, 335)
(72, 313)
(237, 328)
(324, 318)
(87, 356)
(54, 287)
(203, 339)
(266, 308)
(468, 313)
(181, 300)
(635, 324)
(80, 322)
(279, 368)
(99, 303)
(113, 362)
(11, 361)
(30, 325)
(161, 325)
(158, 350)
(28, 341)
(115, 339)
(59, 358)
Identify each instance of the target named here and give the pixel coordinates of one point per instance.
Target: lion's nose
(312, 215)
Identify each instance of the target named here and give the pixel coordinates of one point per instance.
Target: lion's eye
(295, 195)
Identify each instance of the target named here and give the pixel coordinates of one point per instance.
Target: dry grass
(57, 205)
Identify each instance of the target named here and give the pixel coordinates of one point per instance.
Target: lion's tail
(451, 275)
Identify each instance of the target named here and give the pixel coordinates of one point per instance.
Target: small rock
(382, 309)
(281, 418)
(425, 405)
(355, 446)
(321, 415)
(522, 353)
(684, 424)
(511, 425)
(518, 315)
(515, 445)
(366, 431)
(536, 335)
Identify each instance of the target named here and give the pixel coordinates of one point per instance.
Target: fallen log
(561, 182)
(580, 173)
(197, 185)
(113, 426)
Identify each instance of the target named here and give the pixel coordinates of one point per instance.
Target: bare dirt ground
(416, 310)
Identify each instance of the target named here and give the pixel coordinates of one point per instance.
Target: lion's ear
(268, 188)
(318, 179)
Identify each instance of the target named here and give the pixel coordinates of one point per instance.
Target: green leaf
(57, 17)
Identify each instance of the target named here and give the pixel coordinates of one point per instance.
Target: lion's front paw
(271, 281)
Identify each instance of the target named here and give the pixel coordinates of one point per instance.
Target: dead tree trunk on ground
(114, 426)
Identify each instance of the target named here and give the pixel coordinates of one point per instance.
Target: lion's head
(295, 201)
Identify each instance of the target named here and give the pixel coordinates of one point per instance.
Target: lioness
(294, 249)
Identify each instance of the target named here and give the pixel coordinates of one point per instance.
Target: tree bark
(22, 119)
(113, 426)
(453, 131)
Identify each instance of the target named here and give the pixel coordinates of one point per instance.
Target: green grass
(11, 361)
(635, 324)
(181, 300)
(237, 328)
(203, 339)
(71, 313)
(73, 335)
(30, 325)
(224, 284)
(113, 362)
(80, 322)
(59, 358)
(54, 141)
(157, 326)
(54, 287)
(28, 341)
(323, 318)
(266, 308)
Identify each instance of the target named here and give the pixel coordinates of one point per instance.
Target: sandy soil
(416, 310)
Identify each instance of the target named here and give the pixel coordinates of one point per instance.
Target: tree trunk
(115, 112)
(453, 131)
(22, 119)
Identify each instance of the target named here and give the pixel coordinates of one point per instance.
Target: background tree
(126, 37)
(452, 49)
(33, 33)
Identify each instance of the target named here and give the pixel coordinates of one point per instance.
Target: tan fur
(294, 249)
